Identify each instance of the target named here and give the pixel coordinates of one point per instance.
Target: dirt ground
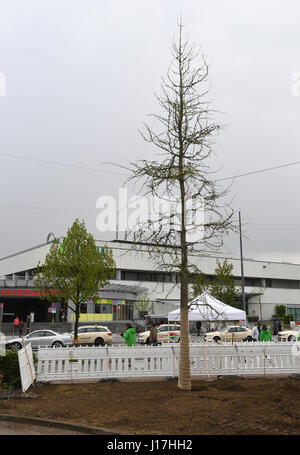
(215, 407)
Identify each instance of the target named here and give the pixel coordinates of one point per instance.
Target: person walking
(198, 327)
(153, 335)
(21, 327)
(129, 335)
(15, 324)
(255, 332)
(275, 328)
(279, 327)
(265, 334)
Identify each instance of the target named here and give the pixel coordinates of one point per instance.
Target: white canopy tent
(207, 308)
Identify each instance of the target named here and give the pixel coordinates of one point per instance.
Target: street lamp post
(242, 266)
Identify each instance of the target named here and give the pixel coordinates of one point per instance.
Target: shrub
(9, 367)
(287, 318)
(280, 311)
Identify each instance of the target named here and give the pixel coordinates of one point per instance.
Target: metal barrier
(92, 363)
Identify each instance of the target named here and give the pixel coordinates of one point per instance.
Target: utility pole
(242, 265)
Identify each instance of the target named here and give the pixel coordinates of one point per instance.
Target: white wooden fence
(95, 363)
(26, 365)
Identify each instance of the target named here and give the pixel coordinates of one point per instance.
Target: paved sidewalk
(11, 428)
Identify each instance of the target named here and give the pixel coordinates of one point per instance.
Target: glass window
(163, 329)
(38, 334)
(82, 330)
(97, 308)
(83, 308)
(129, 275)
(232, 330)
(145, 276)
(49, 334)
(160, 277)
(101, 329)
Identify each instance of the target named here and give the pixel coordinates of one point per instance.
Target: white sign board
(26, 365)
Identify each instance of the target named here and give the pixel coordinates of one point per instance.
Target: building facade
(267, 284)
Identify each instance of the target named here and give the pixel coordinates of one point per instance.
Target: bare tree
(188, 213)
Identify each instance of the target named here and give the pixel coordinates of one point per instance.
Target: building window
(83, 308)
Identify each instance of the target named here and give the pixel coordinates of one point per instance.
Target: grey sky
(80, 78)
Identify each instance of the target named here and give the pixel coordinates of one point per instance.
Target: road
(11, 428)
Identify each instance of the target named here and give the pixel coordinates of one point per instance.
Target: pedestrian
(275, 328)
(129, 335)
(153, 335)
(15, 324)
(279, 326)
(20, 327)
(61, 315)
(265, 334)
(255, 332)
(198, 327)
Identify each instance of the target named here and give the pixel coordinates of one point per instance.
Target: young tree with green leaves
(143, 306)
(75, 268)
(222, 287)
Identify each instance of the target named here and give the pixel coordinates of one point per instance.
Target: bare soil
(213, 407)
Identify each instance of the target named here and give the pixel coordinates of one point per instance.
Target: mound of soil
(221, 406)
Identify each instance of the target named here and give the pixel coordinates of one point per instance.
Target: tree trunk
(184, 378)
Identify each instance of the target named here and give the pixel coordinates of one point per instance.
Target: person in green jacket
(129, 335)
(265, 334)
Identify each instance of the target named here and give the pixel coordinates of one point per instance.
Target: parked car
(165, 333)
(289, 335)
(40, 338)
(97, 335)
(231, 333)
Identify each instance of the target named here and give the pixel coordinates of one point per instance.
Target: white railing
(26, 366)
(92, 363)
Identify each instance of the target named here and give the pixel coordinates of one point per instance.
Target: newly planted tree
(191, 215)
(75, 268)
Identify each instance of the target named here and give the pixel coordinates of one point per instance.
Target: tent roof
(207, 308)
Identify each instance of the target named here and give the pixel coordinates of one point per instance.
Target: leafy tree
(143, 306)
(75, 268)
(223, 287)
(280, 311)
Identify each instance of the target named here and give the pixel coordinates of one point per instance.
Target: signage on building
(29, 292)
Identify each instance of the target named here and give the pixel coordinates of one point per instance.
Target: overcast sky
(80, 78)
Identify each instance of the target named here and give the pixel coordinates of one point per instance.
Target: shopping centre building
(267, 284)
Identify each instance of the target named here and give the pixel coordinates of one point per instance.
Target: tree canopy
(76, 268)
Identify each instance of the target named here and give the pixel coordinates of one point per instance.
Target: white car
(166, 333)
(231, 333)
(97, 335)
(40, 338)
(289, 335)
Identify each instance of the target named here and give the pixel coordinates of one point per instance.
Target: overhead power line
(93, 169)
(57, 163)
(259, 171)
